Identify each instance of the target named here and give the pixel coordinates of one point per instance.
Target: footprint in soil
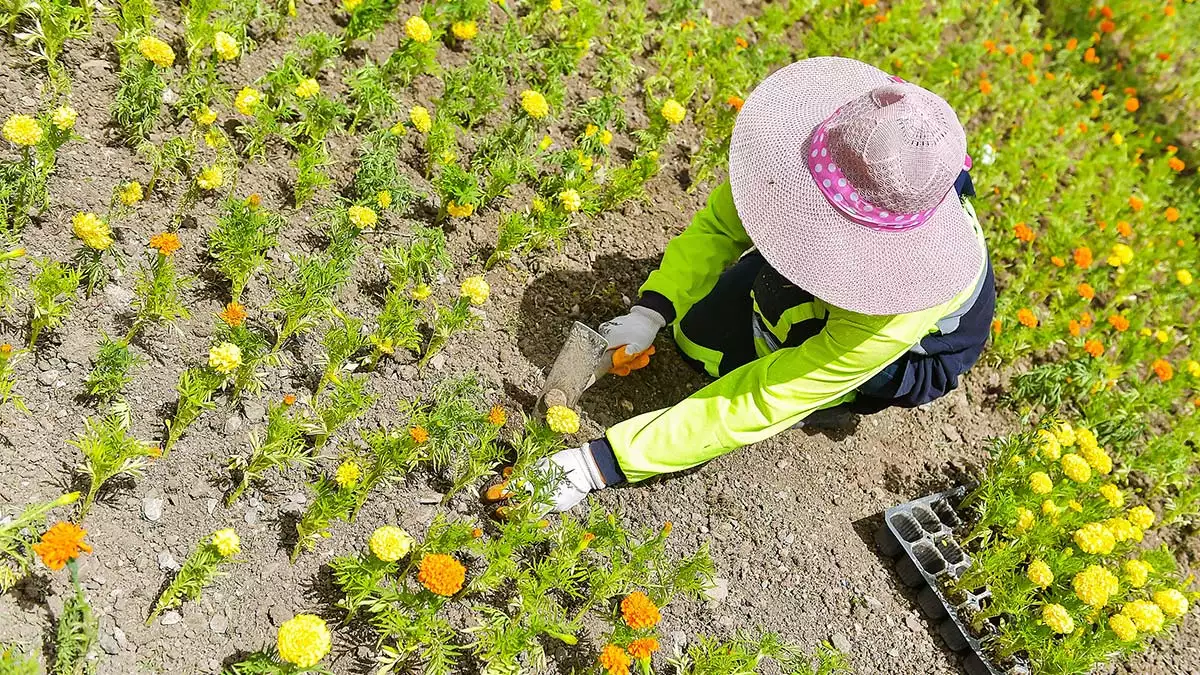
(558, 298)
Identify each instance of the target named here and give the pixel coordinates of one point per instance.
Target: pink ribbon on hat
(846, 199)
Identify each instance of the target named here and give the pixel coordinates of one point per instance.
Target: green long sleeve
(694, 260)
(770, 394)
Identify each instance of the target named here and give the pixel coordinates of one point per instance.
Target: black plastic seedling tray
(920, 535)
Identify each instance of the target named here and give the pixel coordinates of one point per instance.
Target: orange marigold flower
(476, 533)
(1107, 12)
(497, 417)
(1010, 50)
(740, 42)
(1124, 228)
(1136, 203)
(613, 659)
(639, 611)
(1171, 214)
(1027, 59)
(1098, 94)
(643, 648)
(1093, 347)
(441, 574)
(990, 46)
(1027, 318)
(234, 314)
(1162, 370)
(1072, 44)
(1085, 291)
(997, 326)
(1163, 56)
(1085, 319)
(985, 87)
(735, 102)
(1132, 104)
(418, 434)
(1057, 261)
(289, 399)
(1169, 10)
(1073, 328)
(1083, 257)
(1089, 56)
(165, 243)
(1107, 26)
(1023, 232)
(61, 544)
(254, 200)
(1119, 322)
(1176, 164)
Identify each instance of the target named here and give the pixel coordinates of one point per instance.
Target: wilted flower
(130, 193)
(570, 200)
(211, 177)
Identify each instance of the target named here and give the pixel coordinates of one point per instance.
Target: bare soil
(791, 520)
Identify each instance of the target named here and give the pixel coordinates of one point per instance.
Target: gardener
(840, 266)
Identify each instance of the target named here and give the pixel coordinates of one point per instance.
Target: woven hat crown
(900, 146)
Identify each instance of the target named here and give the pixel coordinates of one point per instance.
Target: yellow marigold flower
(562, 419)
(556, 5)
(1024, 519)
(347, 474)
(614, 660)
(418, 29)
(1039, 573)
(545, 143)
(362, 216)
(61, 544)
(22, 130)
(1122, 530)
(308, 88)
(211, 177)
(233, 315)
(534, 104)
(225, 46)
(1051, 509)
(1075, 506)
(226, 542)
(672, 111)
(641, 649)
(1040, 483)
(497, 417)
(1094, 585)
(1048, 445)
(206, 116)
(420, 118)
(166, 243)
(156, 51)
(475, 289)
(1184, 277)
(1192, 367)
(303, 640)
(1095, 538)
(63, 118)
(639, 611)
(383, 198)
(464, 30)
(420, 292)
(570, 200)
(1173, 603)
(1098, 459)
(1147, 616)
(1123, 627)
(1057, 619)
(225, 358)
(1113, 495)
(351, 5)
(1086, 439)
(247, 100)
(590, 130)
(1141, 516)
(1162, 336)
(130, 193)
(1076, 468)
(390, 543)
(1122, 253)
(457, 210)
(1065, 434)
(441, 574)
(606, 137)
(92, 231)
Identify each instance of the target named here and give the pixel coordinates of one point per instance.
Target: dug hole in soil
(791, 520)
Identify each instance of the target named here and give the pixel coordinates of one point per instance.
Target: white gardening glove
(636, 330)
(579, 476)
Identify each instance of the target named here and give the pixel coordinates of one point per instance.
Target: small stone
(48, 377)
(913, 623)
(170, 618)
(152, 508)
(626, 405)
(255, 411)
(166, 562)
(951, 433)
(109, 644)
(678, 640)
(210, 505)
(429, 498)
(438, 361)
(409, 372)
(840, 642)
(233, 424)
(119, 298)
(278, 614)
(119, 636)
(219, 623)
(783, 464)
(252, 517)
(169, 97)
(719, 590)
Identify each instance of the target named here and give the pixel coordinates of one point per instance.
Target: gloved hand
(580, 475)
(635, 332)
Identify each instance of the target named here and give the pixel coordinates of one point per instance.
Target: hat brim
(801, 235)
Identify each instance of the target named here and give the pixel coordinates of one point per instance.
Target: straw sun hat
(843, 177)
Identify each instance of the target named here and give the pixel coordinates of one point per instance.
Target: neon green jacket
(774, 392)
